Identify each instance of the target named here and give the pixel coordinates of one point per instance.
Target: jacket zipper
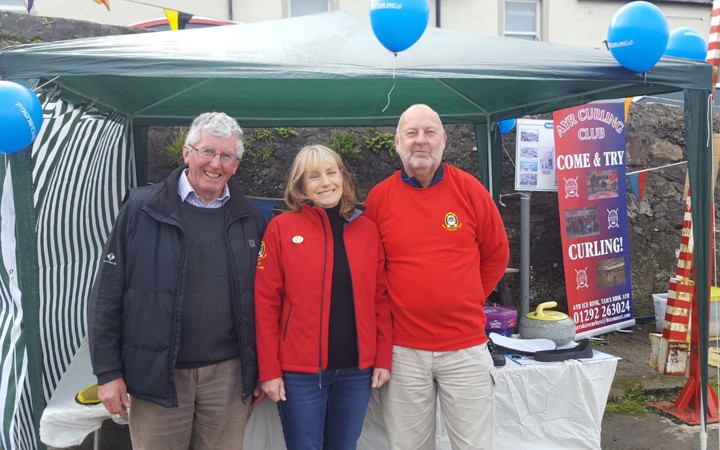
(322, 297)
(178, 307)
(352, 287)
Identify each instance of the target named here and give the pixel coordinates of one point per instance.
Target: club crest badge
(571, 187)
(452, 223)
(262, 254)
(613, 221)
(581, 278)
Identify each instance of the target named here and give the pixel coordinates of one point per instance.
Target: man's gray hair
(219, 125)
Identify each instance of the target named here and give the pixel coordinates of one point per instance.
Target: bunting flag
(28, 5)
(103, 2)
(177, 19)
(628, 102)
(713, 53)
(637, 183)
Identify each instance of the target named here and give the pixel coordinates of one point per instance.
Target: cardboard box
(501, 320)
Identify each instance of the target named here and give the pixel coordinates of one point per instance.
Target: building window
(12, 5)
(305, 7)
(522, 20)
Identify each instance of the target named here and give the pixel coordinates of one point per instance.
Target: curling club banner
(590, 167)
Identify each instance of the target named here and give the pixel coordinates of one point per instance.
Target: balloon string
(393, 86)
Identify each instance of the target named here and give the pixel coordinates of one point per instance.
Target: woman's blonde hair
(310, 158)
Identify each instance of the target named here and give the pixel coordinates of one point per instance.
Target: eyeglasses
(208, 153)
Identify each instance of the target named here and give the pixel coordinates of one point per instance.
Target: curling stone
(544, 323)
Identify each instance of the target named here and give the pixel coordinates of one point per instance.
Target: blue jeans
(328, 409)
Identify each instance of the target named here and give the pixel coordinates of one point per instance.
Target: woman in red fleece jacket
(322, 315)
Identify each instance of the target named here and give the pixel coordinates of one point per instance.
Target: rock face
(654, 135)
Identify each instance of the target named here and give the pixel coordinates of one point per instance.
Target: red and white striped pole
(713, 54)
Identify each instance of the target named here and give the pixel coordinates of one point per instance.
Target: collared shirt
(412, 181)
(187, 194)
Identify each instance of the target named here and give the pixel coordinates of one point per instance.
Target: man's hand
(258, 396)
(113, 395)
(275, 389)
(380, 377)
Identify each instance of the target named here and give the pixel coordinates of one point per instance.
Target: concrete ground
(653, 430)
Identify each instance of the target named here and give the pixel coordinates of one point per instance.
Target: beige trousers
(460, 380)
(210, 412)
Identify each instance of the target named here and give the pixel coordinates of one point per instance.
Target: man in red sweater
(446, 249)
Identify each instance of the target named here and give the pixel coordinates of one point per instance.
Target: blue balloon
(684, 42)
(637, 36)
(399, 24)
(506, 125)
(20, 115)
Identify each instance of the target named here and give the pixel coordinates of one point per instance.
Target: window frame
(290, 8)
(6, 6)
(535, 35)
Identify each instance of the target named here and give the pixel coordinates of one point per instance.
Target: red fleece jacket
(293, 282)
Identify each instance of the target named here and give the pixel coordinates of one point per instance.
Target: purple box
(500, 320)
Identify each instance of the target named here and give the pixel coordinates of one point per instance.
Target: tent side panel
(698, 135)
(84, 164)
(17, 423)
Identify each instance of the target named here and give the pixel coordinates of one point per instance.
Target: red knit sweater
(446, 249)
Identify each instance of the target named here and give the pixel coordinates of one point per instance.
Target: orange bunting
(628, 102)
(103, 2)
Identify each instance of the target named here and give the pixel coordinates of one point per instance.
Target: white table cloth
(538, 406)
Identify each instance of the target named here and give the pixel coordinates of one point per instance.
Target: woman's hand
(275, 389)
(380, 377)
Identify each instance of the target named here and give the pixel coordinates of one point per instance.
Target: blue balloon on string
(684, 42)
(20, 115)
(637, 36)
(400, 23)
(506, 125)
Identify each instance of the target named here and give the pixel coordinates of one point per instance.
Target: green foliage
(11, 38)
(381, 141)
(345, 143)
(47, 22)
(633, 401)
(464, 132)
(287, 132)
(174, 148)
(262, 154)
(263, 135)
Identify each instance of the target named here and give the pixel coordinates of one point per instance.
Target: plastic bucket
(660, 303)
